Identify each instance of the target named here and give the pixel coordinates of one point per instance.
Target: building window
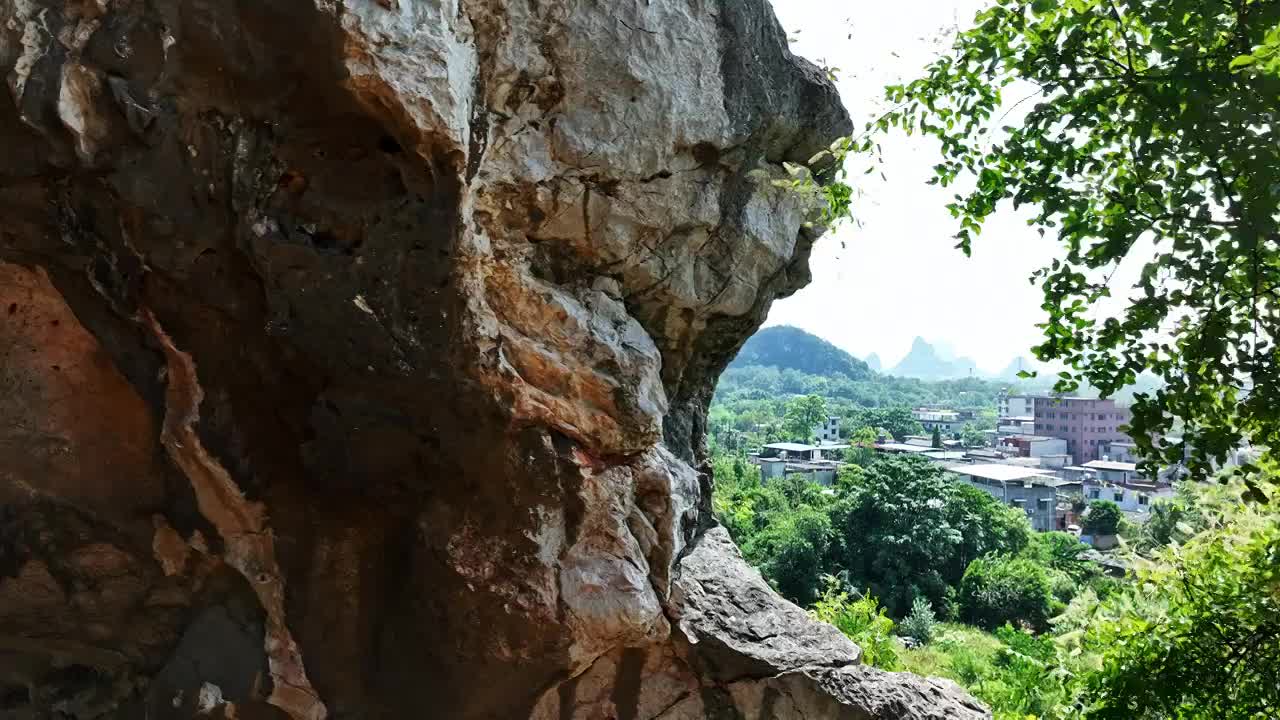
(1143, 499)
(1119, 495)
(1095, 494)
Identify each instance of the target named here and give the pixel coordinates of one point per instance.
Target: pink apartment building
(1088, 425)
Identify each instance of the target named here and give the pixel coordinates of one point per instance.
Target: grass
(958, 652)
(978, 661)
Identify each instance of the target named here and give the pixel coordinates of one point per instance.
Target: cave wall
(355, 356)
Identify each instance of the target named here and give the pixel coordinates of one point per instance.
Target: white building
(1113, 470)
(1028, 489)
(1122, 451)
(946, 421)
(828, 431)
(1032, 445)
(1134, 497)
(1009, 406)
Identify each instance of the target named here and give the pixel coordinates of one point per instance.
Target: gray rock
(396, 320)
(738, 627)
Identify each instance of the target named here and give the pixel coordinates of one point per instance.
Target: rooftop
(903, 447)
(999, 473)
(791, 447)
(1111, 465)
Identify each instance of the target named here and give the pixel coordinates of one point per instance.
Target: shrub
(790, 550)
(1198, 635)
(920, 623)
(863, 621)
(1102, 518)
(999, 590)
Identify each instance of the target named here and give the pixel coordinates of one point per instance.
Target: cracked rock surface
(355, 356)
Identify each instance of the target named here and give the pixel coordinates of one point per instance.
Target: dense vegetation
(752, 403)
(901, 549)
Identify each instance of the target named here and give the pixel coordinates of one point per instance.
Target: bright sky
(878, 286)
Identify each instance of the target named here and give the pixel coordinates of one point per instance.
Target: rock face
(354, 360)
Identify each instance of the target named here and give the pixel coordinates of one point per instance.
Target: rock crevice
(458, 277)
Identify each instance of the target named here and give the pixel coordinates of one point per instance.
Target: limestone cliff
(355, 354)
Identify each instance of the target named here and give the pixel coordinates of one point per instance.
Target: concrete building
(1122, 451)
(945, 421)
(1019, 425)
(1033, 445)
(1087, 425)
(817, 463)
(828, 431)
(802, 451)
(1113, 471)
(1032, 491)
(1133, 496)
(1008, 406)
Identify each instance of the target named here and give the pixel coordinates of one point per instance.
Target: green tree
(861, 446)
(986, 525)
(804, 415)
(972, 436)
(790, 552)
(905, 528)
(1062, 552)
(1102, 518)
(897, 420)
(1147, 120)
(1198, 636)
(996, 590)
(893, 532)
(937, 438)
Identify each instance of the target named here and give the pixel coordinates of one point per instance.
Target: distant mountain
(784, 346)
(1016, 365)
(873, 362)
(926, 362)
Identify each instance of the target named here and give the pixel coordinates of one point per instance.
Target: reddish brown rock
(357, 356)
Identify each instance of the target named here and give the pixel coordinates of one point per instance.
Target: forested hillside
(790, 348)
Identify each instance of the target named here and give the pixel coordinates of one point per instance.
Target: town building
(828, 431)
(817, 463)
(1112, 470)
(1033, 491)
(1087, 425)
(1010, 406)
(1018, 425)
(1032, 445)
(1134, 496)
(946, 421)
(897, 448)
(1122, 451)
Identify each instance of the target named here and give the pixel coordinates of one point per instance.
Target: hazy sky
(877, 286)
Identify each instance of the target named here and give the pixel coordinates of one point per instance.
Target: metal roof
(903, 447)
(791, 447)
(946, 454)
(1111, 465)
(999, 473)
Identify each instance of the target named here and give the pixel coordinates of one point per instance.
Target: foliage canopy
(1152, 138)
